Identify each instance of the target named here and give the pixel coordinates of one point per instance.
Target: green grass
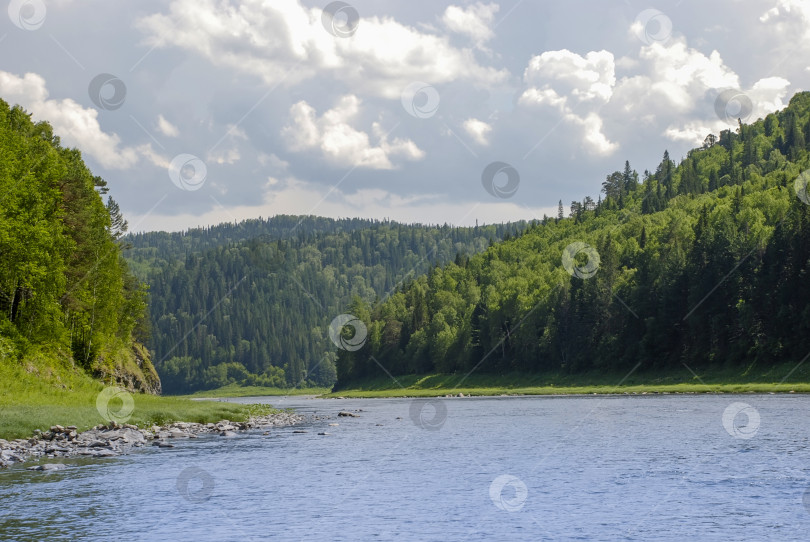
(39, 393)
(235, 390)
(716, 380)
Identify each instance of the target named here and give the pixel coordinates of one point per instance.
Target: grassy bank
(784, 378)
(39, 393)
(235, 390)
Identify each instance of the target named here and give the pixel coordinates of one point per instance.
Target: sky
(198, 112)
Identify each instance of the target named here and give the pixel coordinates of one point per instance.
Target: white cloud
(681, 76)
(677, 89)
(284, 43)
(669, 87)
(768, 95)
(478, 130)
(786, 9)
(577, 86)
(594, 137)
(167, 128)
(75, 125)
(155, 158)
(342, 144)
(475, 21)
(588, 78)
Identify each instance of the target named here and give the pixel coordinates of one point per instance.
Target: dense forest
(66, 294)
(703, 263)
(252, 302)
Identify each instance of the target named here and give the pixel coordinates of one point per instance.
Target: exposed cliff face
(150, 381)
(131, 368)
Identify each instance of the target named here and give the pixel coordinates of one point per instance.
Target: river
(664, 467)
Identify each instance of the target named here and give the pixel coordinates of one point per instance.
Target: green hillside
(251, 303)
(72, 316)
(66, 295)
(700, 266)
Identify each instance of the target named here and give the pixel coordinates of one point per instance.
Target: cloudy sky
(203, 111)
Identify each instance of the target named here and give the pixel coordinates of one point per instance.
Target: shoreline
(116, 439)
(537, 391)
(562, 391)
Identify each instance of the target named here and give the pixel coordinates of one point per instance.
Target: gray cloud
(289, 118)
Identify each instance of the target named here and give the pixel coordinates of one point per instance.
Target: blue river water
(663, 467)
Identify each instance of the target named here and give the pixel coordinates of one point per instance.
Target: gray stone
(49, 467)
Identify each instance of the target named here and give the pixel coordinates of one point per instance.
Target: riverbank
(786, 378)
(114, 439)
(235, 390)
(38, 394)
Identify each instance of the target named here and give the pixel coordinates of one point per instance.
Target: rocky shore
(116, 439)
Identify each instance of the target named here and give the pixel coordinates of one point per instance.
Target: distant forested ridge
(66, 294)
(252, 302)
(701, 263)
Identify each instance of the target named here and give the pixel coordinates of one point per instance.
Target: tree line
(251, 303)
(703, 262)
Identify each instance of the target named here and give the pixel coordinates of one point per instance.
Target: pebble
(115, 439)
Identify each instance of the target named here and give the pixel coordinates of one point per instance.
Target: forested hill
(68, 303)
(703, 263)
(155, 248)
(252, 302)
